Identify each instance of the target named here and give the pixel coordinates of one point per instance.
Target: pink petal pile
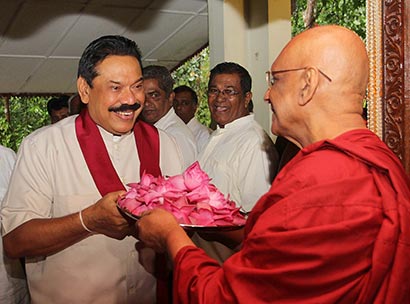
(190, 197)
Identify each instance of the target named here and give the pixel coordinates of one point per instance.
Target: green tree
(195, 74)
(348, 13)
(26, 115)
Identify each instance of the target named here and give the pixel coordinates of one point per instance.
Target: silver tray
(199, 228)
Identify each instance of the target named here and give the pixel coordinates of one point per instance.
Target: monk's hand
(105, 218)
(155, 227)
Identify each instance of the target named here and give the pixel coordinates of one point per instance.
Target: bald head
(320, 79)
(335, 50)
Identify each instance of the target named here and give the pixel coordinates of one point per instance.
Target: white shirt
(7, 160)
(51, 179)
(200, 132)
(176, 127)
(13, 286)
(241, 159)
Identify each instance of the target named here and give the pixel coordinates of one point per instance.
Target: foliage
(26, 115)
(348, 13)
(195, 74)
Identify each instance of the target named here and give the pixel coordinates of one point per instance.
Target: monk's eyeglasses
(270, 75)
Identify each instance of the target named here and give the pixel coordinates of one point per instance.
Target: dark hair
(57, 103)
(185, 88)
(162, 75)
(102, 47)
(233, 68)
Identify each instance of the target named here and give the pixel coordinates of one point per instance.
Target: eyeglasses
(214, 92)
(270, 75)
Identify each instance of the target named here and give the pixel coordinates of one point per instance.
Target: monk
(335, 225)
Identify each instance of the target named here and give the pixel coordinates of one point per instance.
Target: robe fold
(333, 228)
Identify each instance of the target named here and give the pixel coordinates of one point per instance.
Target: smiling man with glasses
(239, 151)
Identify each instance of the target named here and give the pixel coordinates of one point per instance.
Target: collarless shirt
(240, 161)
(183, 136)
(200, 132)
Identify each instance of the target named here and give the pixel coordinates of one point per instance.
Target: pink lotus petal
(177, 182)
(204, 218)
(194, 176)
(146, 180)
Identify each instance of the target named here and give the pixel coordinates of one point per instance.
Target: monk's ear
(83, 89)
(310, 82)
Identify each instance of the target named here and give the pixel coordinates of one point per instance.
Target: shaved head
(337, 51)
(320, 82)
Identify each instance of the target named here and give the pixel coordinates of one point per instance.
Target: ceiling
(42, 40)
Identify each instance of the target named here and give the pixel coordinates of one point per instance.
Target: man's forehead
(281, 63)
(152, 85)
(184, 95)
(226, 78)
(113, 61)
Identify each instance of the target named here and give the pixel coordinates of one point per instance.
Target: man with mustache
(335, 225)
(159, 112)
(60, 211)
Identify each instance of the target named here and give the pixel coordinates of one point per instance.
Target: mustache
(125, 107)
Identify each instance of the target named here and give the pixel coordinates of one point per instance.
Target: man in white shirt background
(185, 106)
(158, 110)
(13, 285)
(239, 152)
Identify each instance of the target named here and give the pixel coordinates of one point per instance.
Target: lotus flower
(189, 196)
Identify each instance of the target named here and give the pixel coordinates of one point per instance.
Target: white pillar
(251, 33)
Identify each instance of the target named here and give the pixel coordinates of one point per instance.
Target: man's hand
(105, 218)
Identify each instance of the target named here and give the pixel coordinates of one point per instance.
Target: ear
(83, 89)
(248, 98)
(311, 80)
(171, 99)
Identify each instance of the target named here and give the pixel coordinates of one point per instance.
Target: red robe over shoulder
(333, 228)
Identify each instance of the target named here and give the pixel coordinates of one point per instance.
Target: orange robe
(334, 227)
